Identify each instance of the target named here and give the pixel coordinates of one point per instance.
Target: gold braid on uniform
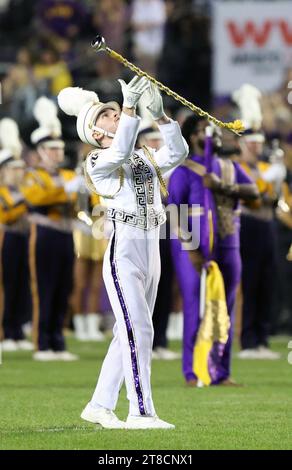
(91, 187)
(157, 169)
(122, 177)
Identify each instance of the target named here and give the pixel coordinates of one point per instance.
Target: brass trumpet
(99, 44)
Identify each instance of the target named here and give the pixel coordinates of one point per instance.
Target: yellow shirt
(260, 168)
(58, 74)
(12, 205)
(45, 192)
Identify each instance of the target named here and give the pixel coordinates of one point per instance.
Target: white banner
(252, 43)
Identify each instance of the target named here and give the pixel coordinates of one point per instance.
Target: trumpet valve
(98, 43)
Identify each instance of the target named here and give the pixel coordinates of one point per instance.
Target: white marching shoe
(44, 356)
(65, 356)
(147, 422)
(81, 336)
(25, 345)
(80, 327)
(9, 345)
(165, 354)
(96, 336)
(262, 352)
(248, 354)
(266, 353)
(106, 418)
(93, 331)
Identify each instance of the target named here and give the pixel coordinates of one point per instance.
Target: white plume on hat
(72, 99)
(247, 97)
(9, 137)
(46, 113)
(84, 104)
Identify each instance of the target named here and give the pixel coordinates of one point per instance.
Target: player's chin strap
(102, 131)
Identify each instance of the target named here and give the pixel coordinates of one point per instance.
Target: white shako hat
(84, 104)
(49, 132)
(10, 144)
(247, 98)
(149, 129)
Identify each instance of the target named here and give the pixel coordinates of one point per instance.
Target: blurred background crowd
(45, 46)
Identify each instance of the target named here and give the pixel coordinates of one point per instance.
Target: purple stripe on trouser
(129, 328)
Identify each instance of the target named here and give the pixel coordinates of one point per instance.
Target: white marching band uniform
(130, 180)
(131, 266)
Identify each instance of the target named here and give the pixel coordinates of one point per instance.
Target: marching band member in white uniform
(131, 179)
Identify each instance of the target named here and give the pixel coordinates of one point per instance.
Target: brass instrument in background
(99, 44)
(86, 244)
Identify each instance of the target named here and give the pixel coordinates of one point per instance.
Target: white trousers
(131, 272)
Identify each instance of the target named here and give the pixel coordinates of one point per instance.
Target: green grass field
(40, 406)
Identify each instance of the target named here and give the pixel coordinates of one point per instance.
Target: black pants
(164, 296)
(51, 267)
(15, 284)
(257, 240)
(283, 321)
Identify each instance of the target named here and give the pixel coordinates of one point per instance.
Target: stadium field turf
(40, 404)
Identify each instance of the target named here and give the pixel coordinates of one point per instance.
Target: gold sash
(225, 204)
(195, 167)
(91, 187)
(122, 177)
(157, 169)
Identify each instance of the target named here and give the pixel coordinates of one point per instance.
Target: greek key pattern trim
(143, 183)
(154, 219)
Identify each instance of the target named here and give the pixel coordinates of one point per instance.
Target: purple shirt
(60, 15)
(186, 187)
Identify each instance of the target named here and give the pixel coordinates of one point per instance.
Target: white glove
(133, 90)
(153, 102)
(74, 185)
(209, 131)
(213, 130)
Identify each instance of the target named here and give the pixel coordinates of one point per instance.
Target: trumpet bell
(98, 43)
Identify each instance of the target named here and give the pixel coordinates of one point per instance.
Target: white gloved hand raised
(75, 185)
(133, 90)
(213, 130)
(209, 131)
(153, 102)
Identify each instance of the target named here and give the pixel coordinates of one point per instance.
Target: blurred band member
(50, 193)
(89, 251)
(257, 235)
(14, 295)
(228, 184)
